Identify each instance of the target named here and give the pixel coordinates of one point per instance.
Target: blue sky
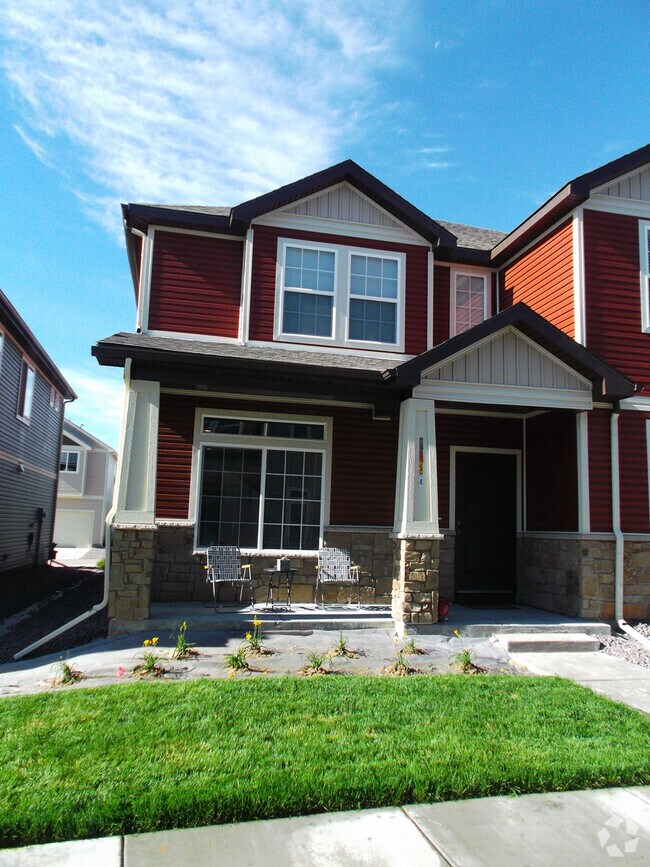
(474, 111)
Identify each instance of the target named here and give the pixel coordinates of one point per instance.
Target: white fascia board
(579, 296)
(635, 404)
(617, 180)
(505, 395)
(176, 231)
(613, 205)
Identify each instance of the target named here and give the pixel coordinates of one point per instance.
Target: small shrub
(65, 674)
(315, 666)
(341, 648)
(411, 649)
(236, 661)
(464, 659)
(183, 649)
(254, 647)
(150, 665)
(399, 667)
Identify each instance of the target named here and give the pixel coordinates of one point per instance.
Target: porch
(306, 617)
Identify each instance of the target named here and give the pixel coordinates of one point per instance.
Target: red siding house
(466, 411)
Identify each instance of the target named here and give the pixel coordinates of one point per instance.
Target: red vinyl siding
(441, 288)
(543, 278)
(613, 294)
(466, 430)
(364, 455)
(195, 284)
(265, 246)
(633, 460)
(600, 471)
(551, 472)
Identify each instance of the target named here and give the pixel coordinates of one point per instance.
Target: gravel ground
(626, 648)
(77, 591)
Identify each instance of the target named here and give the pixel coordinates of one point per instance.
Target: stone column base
(415, 585)
(132, 559)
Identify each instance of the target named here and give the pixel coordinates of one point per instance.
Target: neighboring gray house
(86, 480)
(32, 395)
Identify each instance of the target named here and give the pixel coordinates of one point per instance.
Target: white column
(416, 494)
(583, 472)
(135, 496)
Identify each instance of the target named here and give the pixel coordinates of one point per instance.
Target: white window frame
(201, 440)
(341, 296)
(55, 399)
(487, 294)
(25, 392)
(644, 272)
(68, 451)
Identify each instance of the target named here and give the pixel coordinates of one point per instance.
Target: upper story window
(25, 390)
(55, 399)
(69, 462)
(340, 295)
(644, 259)
(470, 300)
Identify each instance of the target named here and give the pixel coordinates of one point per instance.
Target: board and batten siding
(36, 446)
(613, 294)
(195, 284)
(364, 456)
(265, 248)
(473, 431)
(552, 472)
(542, 278)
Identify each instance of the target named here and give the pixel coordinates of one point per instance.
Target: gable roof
(18, 329)
(565, 200)
(614, 386)
(83, 437)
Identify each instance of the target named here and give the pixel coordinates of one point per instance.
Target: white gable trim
(478, 385)
(636, 173)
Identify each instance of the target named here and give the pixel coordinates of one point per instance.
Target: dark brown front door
(486, 528)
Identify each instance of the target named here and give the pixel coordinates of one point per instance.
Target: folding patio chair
(334, 567)
(224, 566)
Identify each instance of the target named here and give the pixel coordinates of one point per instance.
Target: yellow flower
(154, 641)
(257, 622)
(231, 673)
(146, 642)
(248, 636)
(456, 633)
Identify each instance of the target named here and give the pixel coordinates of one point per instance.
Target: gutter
(619, 558)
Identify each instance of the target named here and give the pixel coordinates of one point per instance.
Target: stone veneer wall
(132, 563)
(415, 585)
(447, 563)
(179, 575)
(575, 576)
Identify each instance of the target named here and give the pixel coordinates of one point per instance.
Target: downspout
(619, 538)
(107, 561)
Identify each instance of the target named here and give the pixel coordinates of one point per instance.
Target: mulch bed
(69, 593)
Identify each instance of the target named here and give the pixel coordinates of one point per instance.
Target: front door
(486, 528)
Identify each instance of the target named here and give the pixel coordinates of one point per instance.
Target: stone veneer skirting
(568, 574)
(179, 575)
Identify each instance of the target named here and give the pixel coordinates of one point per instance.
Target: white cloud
(438, 164)
(197, 101)
(99, 402)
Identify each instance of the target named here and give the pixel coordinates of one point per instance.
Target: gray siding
(71, 484)
(95, 474)
(36, 446)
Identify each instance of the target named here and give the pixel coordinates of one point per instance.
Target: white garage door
(73, 529)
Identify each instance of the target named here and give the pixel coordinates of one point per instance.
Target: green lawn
(146, 756)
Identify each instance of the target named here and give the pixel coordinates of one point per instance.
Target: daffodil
(257, 622)
(154, 641)
(146, 642)
(456, 633)
(248, 636)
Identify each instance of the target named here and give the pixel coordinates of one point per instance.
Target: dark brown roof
(472, 236)
(565, 200)
(24, 337)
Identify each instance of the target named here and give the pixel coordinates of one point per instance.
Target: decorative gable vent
(345, 204)
(636, 187)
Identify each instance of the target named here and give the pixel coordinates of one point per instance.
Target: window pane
(294, 256)
(293, 518)
(373, 320)
(230, 496)
(470, 301)
(373, 276)
(307, 314)
(309, 269)
(72, 461)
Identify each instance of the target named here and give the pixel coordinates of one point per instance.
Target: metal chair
(224, 566)
(334, 567)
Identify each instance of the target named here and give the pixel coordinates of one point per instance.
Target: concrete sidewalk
(617, 679)
(584, 828)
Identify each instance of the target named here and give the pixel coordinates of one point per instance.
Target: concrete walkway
(583, 828)
(607, 675)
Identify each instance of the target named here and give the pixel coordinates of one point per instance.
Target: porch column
(132, 526)
(416, 529)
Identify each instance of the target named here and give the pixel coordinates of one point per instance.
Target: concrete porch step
(548, 642)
